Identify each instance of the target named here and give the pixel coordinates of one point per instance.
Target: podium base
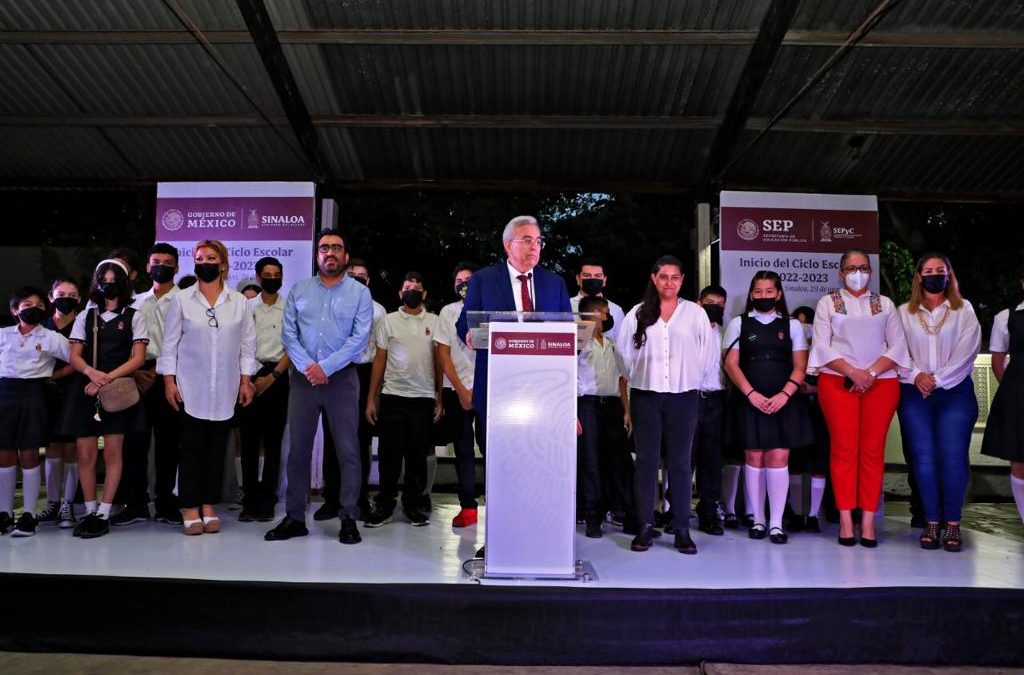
(584, 573)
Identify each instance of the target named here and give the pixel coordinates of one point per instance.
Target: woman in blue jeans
(938, 407)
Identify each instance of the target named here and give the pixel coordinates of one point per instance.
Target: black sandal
(929, 538)
(952, 541)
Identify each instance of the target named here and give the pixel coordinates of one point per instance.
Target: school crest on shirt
(39, 346)
(427, 330)
(782, 336)
(120, 325)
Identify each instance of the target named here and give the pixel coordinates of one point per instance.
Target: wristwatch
(873, 374)
(275, 374)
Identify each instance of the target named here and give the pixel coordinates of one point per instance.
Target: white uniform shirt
(31, 356)
(208, 361)
(949, 356)
(677, 356)
(140, 329)
(463, 358)
(999, 341)
(371, 344)
(409, 341)
(269, 319)
(858, 337)
(796, 331)
(599, 367)
(517, 287)
(715, 379)
(613, 310)
(154, 310)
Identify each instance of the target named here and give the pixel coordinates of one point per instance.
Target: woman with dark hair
(1004, 429)
(766, 358)
(116, 334)
(858, 345)
(61, 459)
(668, 349)
(938, 407)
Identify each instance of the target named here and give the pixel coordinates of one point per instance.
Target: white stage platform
(402, 554)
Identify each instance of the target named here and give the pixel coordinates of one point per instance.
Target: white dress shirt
(140, 329)
(517, 287)
(371, 345)
(269, 319)
(613, 310)
(409, 341)
(32, 355)
(463, 358)
(677, 356)
(999, 341)
(950, 354)
(714, 380)
(208, 361)
(154, 310)
(858, 337)
(599, 367)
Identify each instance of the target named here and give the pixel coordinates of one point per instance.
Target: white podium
(531, 443)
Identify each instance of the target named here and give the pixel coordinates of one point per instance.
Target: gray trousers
(338, 400)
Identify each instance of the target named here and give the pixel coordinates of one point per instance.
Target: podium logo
(254, 219)
(500, 343)
(172, 220)
(747, 229)
(533, 344)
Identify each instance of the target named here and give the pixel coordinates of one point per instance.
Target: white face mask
(857, 281)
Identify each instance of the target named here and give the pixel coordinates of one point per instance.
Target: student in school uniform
(108, 341)
(61, 459)
(603, 411)
(28, 352)
(707, 439)
(404, 402)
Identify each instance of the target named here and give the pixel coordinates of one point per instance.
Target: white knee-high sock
(54, 478)
(778, 487)
(1017, 485)
(30, 480)
(817, 494)
(8, 481)
(796, 493)
(70, 482)
(730, 485)
(753, 478)
(431, 474)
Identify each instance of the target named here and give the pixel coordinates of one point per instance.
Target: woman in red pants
(857, 347)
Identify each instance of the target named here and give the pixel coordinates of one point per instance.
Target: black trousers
(669, 419)
(707, 451)
(331, 471)
(262, 423)
(203, 444)
(404, 426)
(164, 424)
(606, 471)
(466, 431)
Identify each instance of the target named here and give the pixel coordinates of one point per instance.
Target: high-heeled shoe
(929, 538)
(847, 541)
(868, 543)
(952, 541)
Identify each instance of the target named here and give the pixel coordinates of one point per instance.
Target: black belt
(601, 400)
(718, 393)
(270, 364)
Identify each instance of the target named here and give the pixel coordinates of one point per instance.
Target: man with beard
(327, 322)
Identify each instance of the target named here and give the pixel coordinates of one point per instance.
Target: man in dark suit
(516, 285)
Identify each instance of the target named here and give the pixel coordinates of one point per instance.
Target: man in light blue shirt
(327, 321)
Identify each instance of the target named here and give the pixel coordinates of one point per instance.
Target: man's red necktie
(524, 286)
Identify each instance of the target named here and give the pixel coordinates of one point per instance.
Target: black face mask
(412, 299)
(270, 285)
(592, 286)
(715, 313)
(462, 289)
(934, 283)
(32, 316)
(208, 272)
(161, 274)
(65, 305)
(109, 289)
(608, 324)
(764, 305)
(361, 280)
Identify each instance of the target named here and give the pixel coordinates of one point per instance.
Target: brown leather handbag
(120, 394)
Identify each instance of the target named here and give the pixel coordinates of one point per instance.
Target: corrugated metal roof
(53, 15)
(913, 16)
(58, 153)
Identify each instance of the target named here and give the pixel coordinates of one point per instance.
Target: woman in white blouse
(858, 344)
(938, 407)
(207, 359)
(668, 349)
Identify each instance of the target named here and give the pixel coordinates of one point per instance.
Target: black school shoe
(6, 523)
(130, 515)
(92, 526)
(26, 526)
(643, 541)
(593, 529)
(349, 533)
(684, 544)
(286, 529)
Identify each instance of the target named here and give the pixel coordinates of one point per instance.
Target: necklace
(928, 328)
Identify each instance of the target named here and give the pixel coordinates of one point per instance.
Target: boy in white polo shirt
(404, 402)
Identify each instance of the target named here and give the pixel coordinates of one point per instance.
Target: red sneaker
(465, 518)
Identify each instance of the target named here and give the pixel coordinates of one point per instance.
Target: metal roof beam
(943, 39)
(909, 127)
(759, 62)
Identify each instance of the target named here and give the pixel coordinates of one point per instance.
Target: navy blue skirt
(24, 422)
